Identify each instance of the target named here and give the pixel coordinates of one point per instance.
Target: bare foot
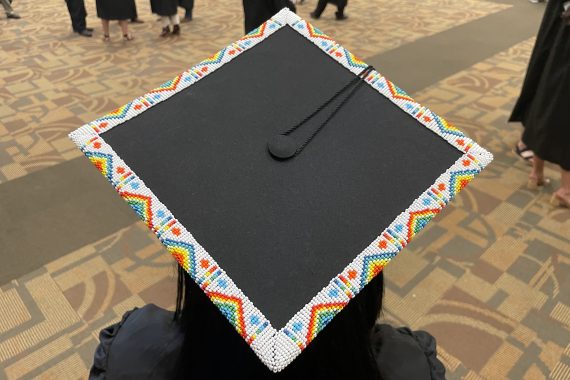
(561, 198)
(534, 182)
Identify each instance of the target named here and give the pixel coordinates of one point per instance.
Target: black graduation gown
(164, 7)
(338, 3)
(186, 4)
(543, 105)
(146, 343)
(256, 12)
(116, 9)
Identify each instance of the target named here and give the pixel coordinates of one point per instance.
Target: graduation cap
(283, 174)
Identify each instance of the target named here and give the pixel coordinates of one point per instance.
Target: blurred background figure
(542, 107)
(78, 14)
(322, 4)
(188, 6)
(256, 12)
(120, 10)
(7, 4)
(136, 19)
(168, 12)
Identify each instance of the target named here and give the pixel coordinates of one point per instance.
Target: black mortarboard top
(280, 246)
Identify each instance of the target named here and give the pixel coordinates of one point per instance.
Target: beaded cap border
(277, 348)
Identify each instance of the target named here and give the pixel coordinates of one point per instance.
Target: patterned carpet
(52, 81)
(489, 277)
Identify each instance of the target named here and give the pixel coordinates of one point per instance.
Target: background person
(121, 10)
(256, 12)
(542, 107)
(188, 6)
(322, 4)
(78, 15)
(135, 19)
(168, 12)
(8, 9)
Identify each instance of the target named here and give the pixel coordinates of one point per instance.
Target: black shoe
(13, 15)
(165, 31)
(340, 16)
(314, 15)
(176, 30)
(186, 19)
(85, 33)
(89, 29)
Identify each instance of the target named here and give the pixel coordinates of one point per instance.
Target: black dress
(116, 9)
(146, 343)
(256, 12)
(164, 7)
(544, 102)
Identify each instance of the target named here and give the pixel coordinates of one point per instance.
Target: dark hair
(214, 349)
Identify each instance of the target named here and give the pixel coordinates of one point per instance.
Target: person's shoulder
(405, 354)
(146, 341)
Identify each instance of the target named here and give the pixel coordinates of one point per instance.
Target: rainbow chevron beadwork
(276, 348)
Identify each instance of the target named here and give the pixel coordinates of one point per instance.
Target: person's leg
(124, 24)
(81, 15)
(341, 4)
(562, 196)
(321, 5)
(135, 19)
(175, 21)
(8, 9)
(165, 20)
(523, 152)
(536, 176)
(7, 6)
(71, 10)
(78, 14)
(105, 26)
(189, 8)
(565, 182)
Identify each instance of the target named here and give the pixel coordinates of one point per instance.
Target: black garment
(542, 107)
(188, 5)
(146, 344)
(116, 9)
(401, 354)
(136, 15)
(256, 12)
(164, 7)
(78, 14)
(321, 5)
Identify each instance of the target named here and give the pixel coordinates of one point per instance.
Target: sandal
(106, 38)
(525, 153)
(534, 183)
(128, 37)
(560, 200)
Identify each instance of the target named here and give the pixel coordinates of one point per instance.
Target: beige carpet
(489, 277)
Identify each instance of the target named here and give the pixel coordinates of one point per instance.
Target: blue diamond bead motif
(254, 320)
